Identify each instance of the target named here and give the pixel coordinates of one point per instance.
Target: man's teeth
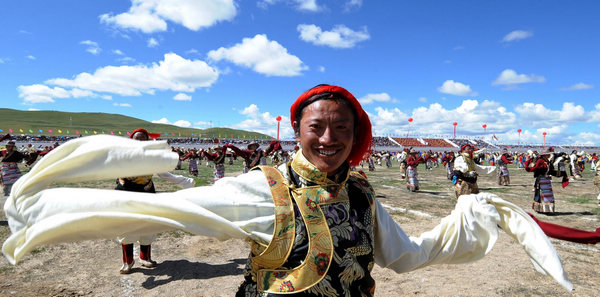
(327, 153)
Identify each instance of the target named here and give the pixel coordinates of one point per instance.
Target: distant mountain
(57, 123)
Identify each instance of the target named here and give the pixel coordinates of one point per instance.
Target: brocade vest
(323, 238)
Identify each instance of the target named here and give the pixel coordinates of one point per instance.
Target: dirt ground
(200, 266)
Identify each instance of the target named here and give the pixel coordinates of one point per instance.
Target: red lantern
(519, 141)
(519, 130)
(278, 118)
(484, 126)
(454, 124)
(410, 120)
(544, 138)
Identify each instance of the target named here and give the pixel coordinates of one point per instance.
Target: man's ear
(296, 130)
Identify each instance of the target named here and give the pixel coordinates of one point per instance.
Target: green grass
(101, 123)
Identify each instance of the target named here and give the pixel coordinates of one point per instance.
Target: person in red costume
(218, 157)
(543, 197)
(253, 154)
(503, 174)
(413, 160)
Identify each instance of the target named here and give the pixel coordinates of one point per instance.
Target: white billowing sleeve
(466, 235)
(240, 207)
(462, 166)
(180, 180)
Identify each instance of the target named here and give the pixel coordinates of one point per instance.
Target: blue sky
(529, 65)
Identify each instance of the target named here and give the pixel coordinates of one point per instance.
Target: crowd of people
(310, 217)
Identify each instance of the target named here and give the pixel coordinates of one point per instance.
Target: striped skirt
(10, 173)
(504, 170)
(412, 181)
(543, 200)
(219, 171)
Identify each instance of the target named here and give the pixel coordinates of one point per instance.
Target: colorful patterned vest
(323, 239)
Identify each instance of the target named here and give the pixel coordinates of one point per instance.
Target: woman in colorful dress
(503, 174)
(412, 176)
(217, 156)
(315, 228)
(10, 167)
(543, 197)
(466, 172)
(143, 184)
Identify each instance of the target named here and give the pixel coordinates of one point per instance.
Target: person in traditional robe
(412, 175)
(503, 173)
(314, 227)
(543, 197)
(145, 184)
(466, 172)
(10, 166)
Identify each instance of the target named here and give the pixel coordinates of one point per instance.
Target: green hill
(58, 123)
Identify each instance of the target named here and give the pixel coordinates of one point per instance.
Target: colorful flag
(495, 137)
(30, 131)
(50, 130)
(95, 132)
(59, 131)
(86, 132)
(40, 130)
(21, 130)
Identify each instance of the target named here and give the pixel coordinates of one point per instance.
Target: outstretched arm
(466, 235)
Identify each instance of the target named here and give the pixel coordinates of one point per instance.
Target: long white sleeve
(466, 235)
(238, 207)
(180, 180)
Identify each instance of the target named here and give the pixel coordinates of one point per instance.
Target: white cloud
(456, 88)
(339, 37)
(126, 60)
(538, 115)
(321, 69)
(151, 16)
(192, 51)
(510, 77)
(422, 99)
(264, 123)
(203, 125)
(152, 42)
(173, 73)
(33, 109)
(39, 93)
(180, 123)
(435, 119)
(302, 5)
(578, 86)
(353, 4)
(30, 57)
(92, 47)
(182, 97)
(370, 98)
(118, 52)
(122, 104)
(594, 115)
(517, 35)
(262, 55)
(162, 121)
(1, 61)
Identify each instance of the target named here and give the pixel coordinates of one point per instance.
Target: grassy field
(30, 122)
(192, 265)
